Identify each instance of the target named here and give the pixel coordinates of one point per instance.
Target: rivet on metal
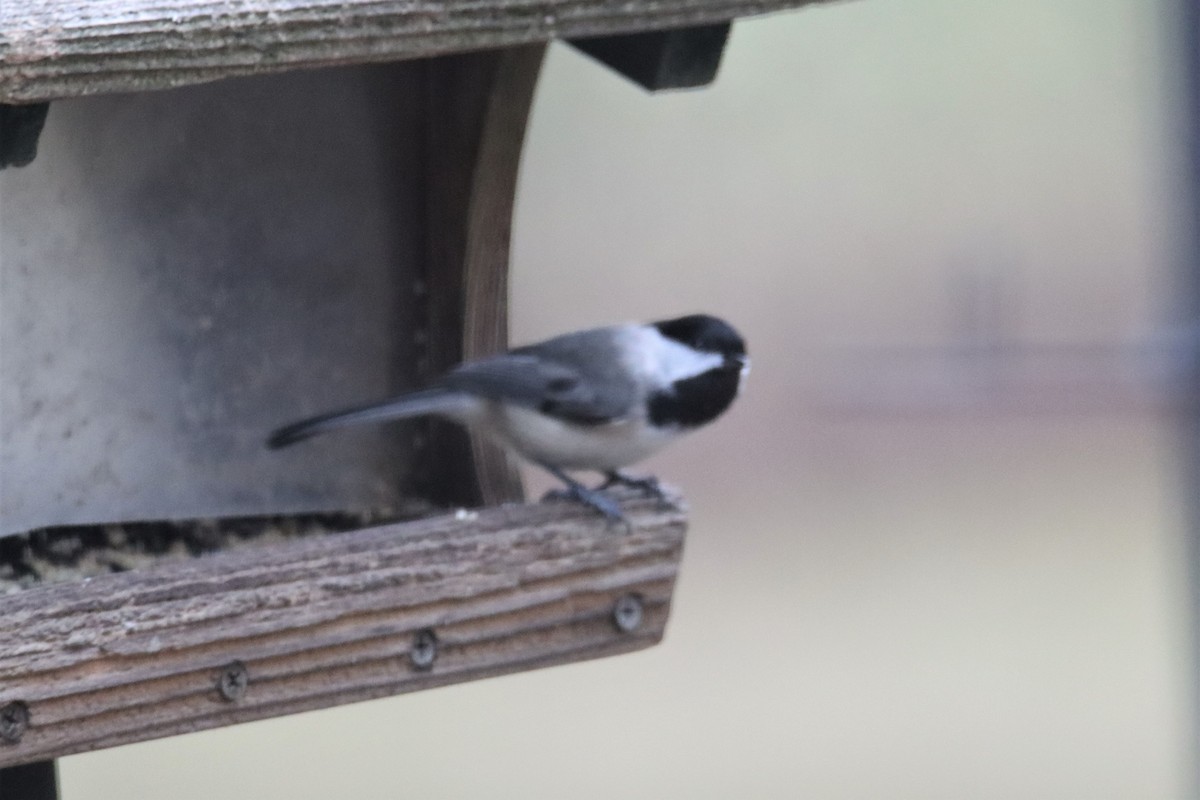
(424, 649)
(627, 613)
(233, 680)
(14, 719)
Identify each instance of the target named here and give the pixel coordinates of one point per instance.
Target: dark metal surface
(676, 59)
(36, 781)
(182, 271)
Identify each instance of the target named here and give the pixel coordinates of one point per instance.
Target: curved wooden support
(478, 105)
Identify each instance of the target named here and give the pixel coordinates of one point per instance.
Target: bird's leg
(593, 498)
(648, 485)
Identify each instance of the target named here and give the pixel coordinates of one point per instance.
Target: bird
(598, 400)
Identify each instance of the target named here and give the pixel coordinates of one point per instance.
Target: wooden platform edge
(256, 633)
(69, 49)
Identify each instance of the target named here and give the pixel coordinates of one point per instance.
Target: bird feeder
(199, 239)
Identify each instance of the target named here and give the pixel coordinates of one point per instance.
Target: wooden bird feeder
(182, 270)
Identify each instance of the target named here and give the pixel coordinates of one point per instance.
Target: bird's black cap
(704, 332)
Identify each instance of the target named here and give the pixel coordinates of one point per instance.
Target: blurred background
(938, 546)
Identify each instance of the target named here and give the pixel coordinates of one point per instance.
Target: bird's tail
(416, 404)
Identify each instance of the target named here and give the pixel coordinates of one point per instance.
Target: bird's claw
(648, 486)
(592, 498)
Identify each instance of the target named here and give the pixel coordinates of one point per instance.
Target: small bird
(598, 399)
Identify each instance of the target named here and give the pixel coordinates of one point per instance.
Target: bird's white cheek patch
(664, 361)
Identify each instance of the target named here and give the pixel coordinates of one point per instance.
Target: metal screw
(233, 680)
(14, 719)
(424, 649)
(627, 613)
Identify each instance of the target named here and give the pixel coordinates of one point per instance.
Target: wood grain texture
(78, 47)
(314, 623)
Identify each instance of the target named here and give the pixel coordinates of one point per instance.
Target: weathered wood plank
(318, 622)
(80, 47)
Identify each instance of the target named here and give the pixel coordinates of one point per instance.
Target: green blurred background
(937, 547)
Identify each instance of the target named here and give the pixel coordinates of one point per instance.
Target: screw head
(14, 719)
(627, 613)
(232, 681)
(424, 649)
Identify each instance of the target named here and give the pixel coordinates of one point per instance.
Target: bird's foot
(592, 498)
(648, 486)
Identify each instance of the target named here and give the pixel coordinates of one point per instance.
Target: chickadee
(597, 399)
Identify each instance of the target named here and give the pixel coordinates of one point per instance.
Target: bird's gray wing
(559, 387)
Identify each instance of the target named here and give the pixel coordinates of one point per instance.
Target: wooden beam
(313, 623)
(79, 47)
(35, 781)
(680, 59)
(20, 127)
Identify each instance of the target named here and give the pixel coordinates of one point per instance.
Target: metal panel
(181, 271)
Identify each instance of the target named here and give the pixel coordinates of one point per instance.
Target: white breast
(547, 440)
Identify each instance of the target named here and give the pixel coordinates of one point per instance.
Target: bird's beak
(743, 364)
